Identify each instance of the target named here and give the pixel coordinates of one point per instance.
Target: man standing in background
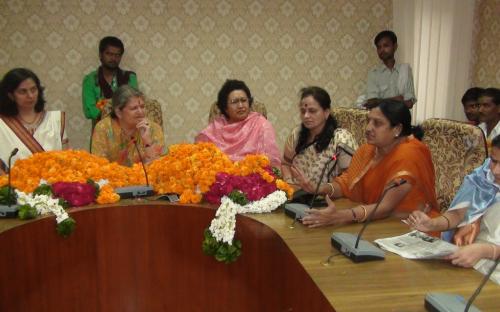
(99, 85)
(389, 80)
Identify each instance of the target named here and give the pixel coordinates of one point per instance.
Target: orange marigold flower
(282, 185)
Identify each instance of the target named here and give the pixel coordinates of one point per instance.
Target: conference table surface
(394, 284)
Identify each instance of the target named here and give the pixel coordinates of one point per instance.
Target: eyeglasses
(242, 100)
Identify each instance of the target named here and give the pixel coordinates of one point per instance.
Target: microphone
(352, 246)
(347, 149)
(9, 210)
(441, 302)
(297, 210)
(142, 161)
(136, 190)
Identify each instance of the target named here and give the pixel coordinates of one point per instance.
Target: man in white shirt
(489, 113)
(389, 80)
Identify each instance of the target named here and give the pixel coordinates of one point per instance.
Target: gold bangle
(447, 221)
(364, 214)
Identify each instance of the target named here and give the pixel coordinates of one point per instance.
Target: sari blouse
(253, 135)
(411, 160)
(109, 141)
(48, 136)
(311, 163)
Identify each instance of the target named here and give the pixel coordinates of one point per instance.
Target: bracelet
(364, 214)
(354, 217)
(330, 194)
(447, 221)
(494, 252)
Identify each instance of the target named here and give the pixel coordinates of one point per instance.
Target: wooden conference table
(146, 256)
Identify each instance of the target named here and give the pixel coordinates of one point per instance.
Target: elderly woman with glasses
(127, 136)
(239, 131)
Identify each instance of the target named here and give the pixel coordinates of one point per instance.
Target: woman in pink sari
(239, 131)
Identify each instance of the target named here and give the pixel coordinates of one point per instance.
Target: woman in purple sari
(239, 131)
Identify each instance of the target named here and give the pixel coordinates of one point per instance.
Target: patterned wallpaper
(487, 57)
(183, 50)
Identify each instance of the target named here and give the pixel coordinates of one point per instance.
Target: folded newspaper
(417, 245)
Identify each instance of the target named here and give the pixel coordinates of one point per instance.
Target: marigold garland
(188, 170)
(72, 166)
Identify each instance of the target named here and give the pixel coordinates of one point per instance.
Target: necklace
(33, 125)
(27, 122)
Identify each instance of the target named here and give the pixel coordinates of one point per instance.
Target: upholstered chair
(153, 111)
(457, 148)
(352, 119)
(257, 106)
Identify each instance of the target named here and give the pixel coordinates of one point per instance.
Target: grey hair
(122, 96)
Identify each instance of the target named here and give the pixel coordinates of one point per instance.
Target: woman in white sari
(24, 122)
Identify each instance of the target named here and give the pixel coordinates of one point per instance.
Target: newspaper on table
(417, 245)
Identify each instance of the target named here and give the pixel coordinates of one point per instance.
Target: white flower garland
(223, 225)
(43, 204)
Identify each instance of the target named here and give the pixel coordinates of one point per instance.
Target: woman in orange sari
(391, 154)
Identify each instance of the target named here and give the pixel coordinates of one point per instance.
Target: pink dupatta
(254, 135)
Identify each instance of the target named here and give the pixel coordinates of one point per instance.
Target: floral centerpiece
(195, 171)
(49, 182)
(252, 188)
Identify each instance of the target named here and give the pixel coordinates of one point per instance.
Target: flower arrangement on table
(195, 171)
(42, 180)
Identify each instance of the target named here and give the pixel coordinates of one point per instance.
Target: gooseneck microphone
(10, 209)
(142, 161)
(370, 216)
(441, 302)
(297, 210)
(334, 158)
(352, 246)
(12, 154)
(136, 190)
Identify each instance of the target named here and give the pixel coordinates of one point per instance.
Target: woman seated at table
(25, 124)
(477, 197)
(312, 144)
(390, 155)
(126, 131)
(238, 131)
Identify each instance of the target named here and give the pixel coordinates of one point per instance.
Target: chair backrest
(457, 148)
(257, 106)
(153, 111)
(352, 119)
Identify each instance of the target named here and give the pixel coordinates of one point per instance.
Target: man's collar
(382, 67)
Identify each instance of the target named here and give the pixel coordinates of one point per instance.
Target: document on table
(417, 245)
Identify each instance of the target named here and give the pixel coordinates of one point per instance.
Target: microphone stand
(135, 191)
(441, 302)
(352, 246)
(9, 210)
(297, 210)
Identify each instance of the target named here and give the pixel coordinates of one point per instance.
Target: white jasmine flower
(102, 182)
(223, 225)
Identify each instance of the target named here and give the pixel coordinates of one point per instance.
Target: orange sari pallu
(364, 181)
